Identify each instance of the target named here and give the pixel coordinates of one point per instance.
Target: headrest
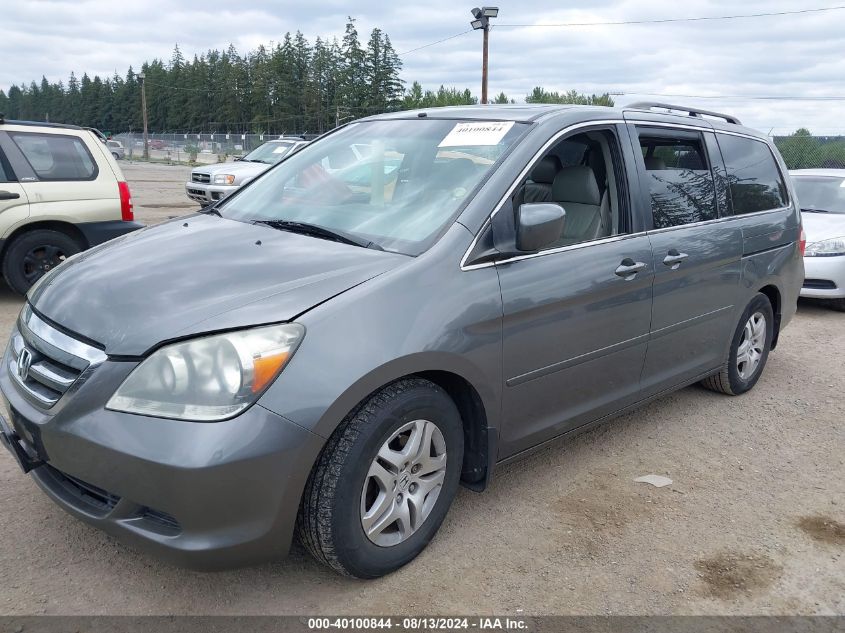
(546, 170)
(576, 184)
(653, 163)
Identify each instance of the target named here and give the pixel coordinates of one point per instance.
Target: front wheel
(837, 304)
(116, 157)
(749, 351)
(33, 254)
(384, 481)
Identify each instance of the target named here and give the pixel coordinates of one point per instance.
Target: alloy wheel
(751, 346)
(403, 483)
(40, 260)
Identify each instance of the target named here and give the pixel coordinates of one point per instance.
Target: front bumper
(206, 193)
(200, 495)
(824, 277)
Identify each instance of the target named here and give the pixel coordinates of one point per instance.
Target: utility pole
(482, 22)
(142, 76)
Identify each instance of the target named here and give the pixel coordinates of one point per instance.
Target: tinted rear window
(56, 156)
(680, 183)
(754, 178)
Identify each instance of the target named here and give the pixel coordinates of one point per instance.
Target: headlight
(224, 179)
(210, 378)
(826, 248)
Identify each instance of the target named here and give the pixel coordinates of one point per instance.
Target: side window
(5, 170)
(56, 156)
(753, 176)
(583, 174)
(679, 178)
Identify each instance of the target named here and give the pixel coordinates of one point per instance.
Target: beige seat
(576, 190)
(539, 188)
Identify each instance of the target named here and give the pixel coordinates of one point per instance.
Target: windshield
(270, 153)
(394, 183)
(820, 193)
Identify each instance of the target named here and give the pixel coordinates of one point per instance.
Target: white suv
(61, 191)
(214, 182)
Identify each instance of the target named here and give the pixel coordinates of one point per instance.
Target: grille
(819, 284)
(195, 177)
(86, 494)
(44, 362)
(163, 522)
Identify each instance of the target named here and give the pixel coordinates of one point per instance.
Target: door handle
(674, 259)
(8, 195)
(628, 269)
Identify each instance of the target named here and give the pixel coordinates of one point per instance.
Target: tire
(116, 157)
(32, 254)
(342, 485)
(837, 304)
(736, 378)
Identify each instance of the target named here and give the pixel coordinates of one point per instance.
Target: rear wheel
(35, 253)
(384, 481)
(749, 350)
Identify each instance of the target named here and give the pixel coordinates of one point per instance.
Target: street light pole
(482, 22)
(142, 76)
(484, 65)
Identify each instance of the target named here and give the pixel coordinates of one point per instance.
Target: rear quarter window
(56, 156)
(5, 170)
(754, 179)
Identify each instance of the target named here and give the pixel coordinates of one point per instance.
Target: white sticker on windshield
(842, 184)
(476, 133)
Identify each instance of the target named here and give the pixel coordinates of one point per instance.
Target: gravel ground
(753, 523)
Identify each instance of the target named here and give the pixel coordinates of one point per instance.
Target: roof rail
(97, 133)
(694, 112)
(65, 126)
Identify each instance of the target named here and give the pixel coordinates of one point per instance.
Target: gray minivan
(331, 358)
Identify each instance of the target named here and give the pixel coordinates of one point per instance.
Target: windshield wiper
(814, 210)
(315, 230)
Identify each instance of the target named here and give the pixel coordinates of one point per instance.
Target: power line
(445, 39)
(635, 22)
(748, 97)
(668, 20)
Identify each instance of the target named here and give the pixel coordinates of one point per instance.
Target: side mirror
(538, 225)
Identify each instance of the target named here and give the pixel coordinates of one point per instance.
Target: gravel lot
(748, 527)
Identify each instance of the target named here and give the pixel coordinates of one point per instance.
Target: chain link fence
(204, 148)
(804, 151)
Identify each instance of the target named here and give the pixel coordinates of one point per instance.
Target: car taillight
(126, 213)
(802, 242)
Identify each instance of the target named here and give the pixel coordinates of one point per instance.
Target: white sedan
(821, 195)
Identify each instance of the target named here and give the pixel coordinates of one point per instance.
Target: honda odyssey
(332, 358)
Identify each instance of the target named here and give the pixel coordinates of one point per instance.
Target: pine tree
(291, 86)
(353, 89)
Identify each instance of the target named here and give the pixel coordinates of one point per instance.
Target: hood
(198, 274)
(240, 169)
(822, 226)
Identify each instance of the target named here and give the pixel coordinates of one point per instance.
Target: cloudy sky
(790, 55)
